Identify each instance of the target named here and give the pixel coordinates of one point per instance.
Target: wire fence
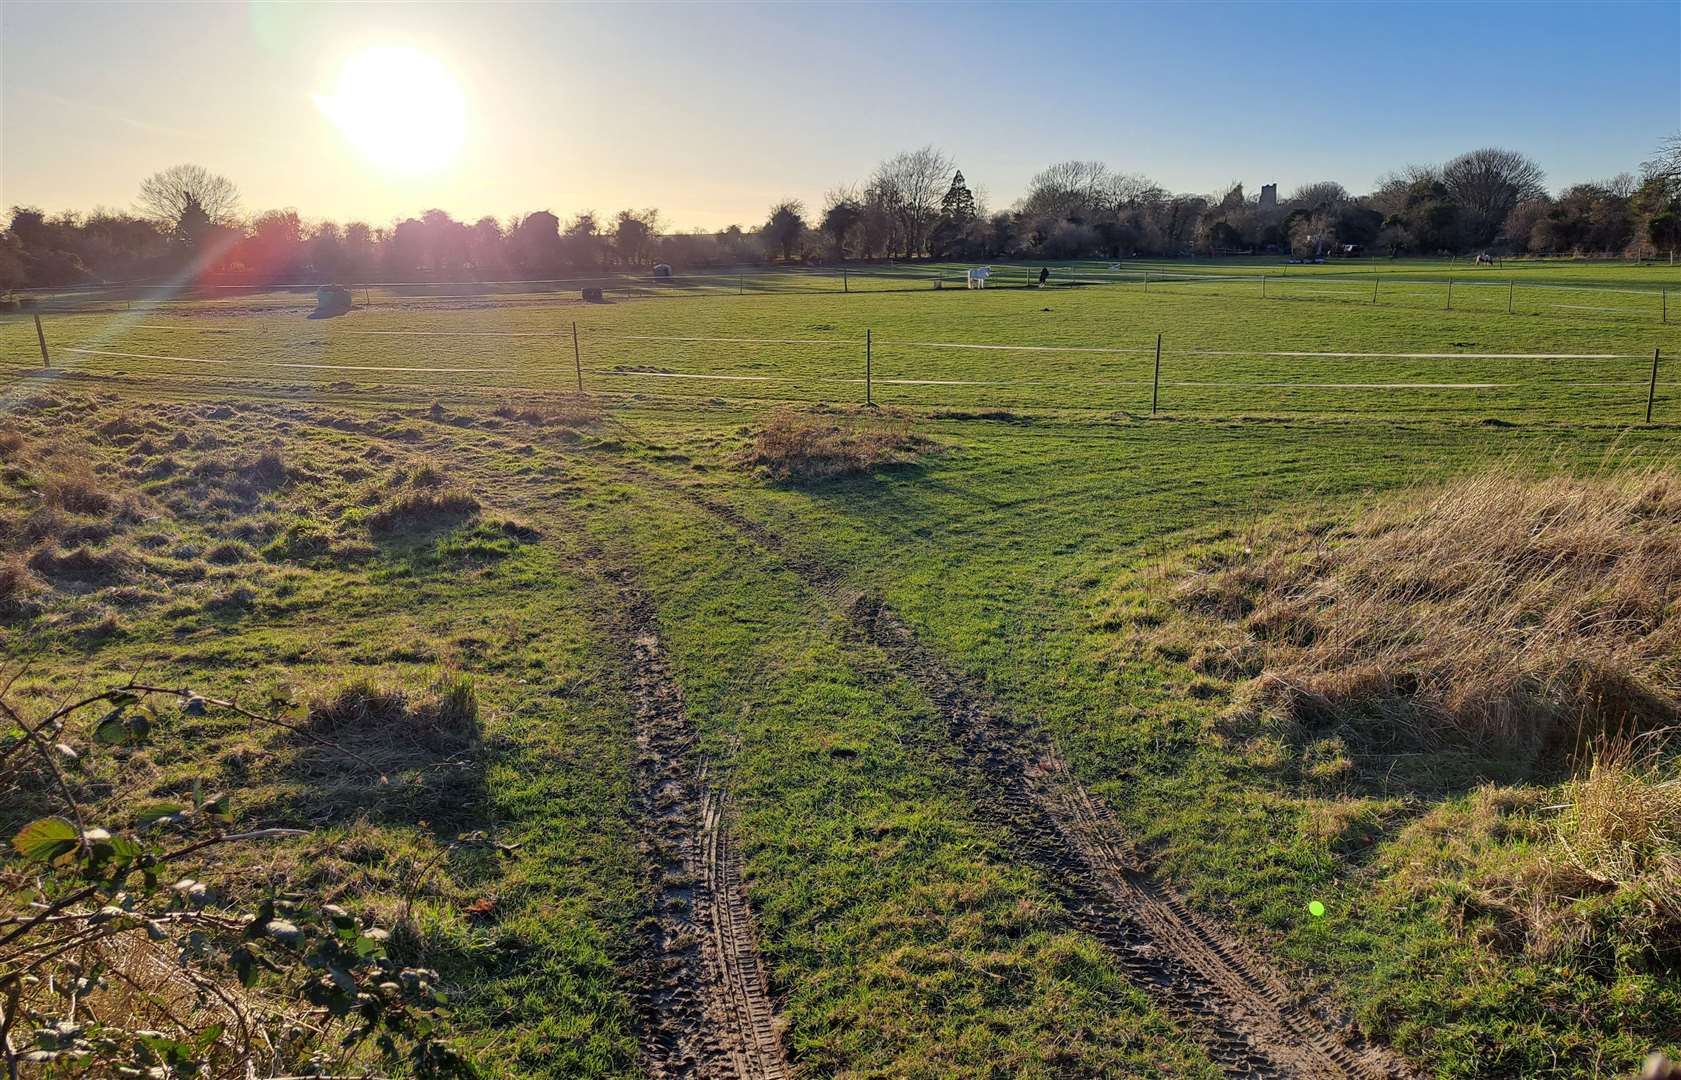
(1483, 290)
(1149, 375)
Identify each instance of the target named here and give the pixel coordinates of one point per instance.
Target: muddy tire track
(706, 998)
(1250, 1022)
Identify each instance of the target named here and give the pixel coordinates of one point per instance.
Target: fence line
(916, 343)
(1064, 382)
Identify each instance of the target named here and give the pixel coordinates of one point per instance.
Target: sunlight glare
(403, 110)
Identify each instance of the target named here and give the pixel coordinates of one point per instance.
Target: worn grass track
(708, 1003)
(1251, 1023)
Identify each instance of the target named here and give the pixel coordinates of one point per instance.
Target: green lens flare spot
(1316, 909)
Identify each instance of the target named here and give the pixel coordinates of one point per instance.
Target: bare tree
(1069, 190)
(913, 184)
(1487, 185)
(1323, 194)
(182, 193)
(1666, 163)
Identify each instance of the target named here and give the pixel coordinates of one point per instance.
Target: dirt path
(1249, 1020)
(706, 997)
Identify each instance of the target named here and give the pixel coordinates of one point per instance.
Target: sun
(402, 109)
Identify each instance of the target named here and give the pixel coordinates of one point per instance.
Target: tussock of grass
(83, 565)
(422, 508)
(794, 445)
(441, 717)
(1622, 828)
(72, 485)
(18, 586)
(570, 410)
(418, 496)
(1593, 880)
(1531, 614)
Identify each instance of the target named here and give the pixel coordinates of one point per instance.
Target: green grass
(901, 937)
(1218, 341)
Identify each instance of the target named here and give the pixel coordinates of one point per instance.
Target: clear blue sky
(710, 112)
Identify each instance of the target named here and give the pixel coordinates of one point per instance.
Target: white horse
(977, 277)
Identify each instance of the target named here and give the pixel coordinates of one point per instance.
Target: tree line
(186, 224)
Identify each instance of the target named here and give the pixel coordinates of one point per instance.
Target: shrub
(130, 952)
(799, 446)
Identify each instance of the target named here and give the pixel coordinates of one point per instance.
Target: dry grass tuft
(1622, 827)
(1594, 879)
(19, 587)
(569, 410)
(71, 485)
(420, 508)
(442, 718)
(13, 444)
(83, 565)
(799, 446)
(1535, 615)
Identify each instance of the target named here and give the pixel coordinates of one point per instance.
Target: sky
(712, 112)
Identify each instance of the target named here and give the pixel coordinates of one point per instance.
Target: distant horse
(1484, 259)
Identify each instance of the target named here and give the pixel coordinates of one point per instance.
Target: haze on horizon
(713, 113)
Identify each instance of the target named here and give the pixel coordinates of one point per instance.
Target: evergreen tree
(957, 213)
(958, 207)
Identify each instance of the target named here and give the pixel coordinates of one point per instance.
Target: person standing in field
(1044, 275)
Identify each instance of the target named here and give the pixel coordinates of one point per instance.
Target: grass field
(907, 920)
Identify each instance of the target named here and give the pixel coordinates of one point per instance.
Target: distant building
(1269, 196)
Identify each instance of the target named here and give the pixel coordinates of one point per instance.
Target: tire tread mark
(1249, 1021)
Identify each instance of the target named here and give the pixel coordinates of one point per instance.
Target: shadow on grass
(390, 755)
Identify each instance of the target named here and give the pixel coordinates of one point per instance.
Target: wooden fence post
(577, 357)
(1450, 294)
(846, 286)
(1156, 385)
(1511, 294)
(869, 350)
(41, 336)
(1666, 306)
(1375, 277)
(1652, 388)
(1263, 286)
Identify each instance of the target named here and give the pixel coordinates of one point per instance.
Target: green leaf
(111, 731)
(119, 727)
(220, 807)
(157, 812)
(245, 964)
(46, 839)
